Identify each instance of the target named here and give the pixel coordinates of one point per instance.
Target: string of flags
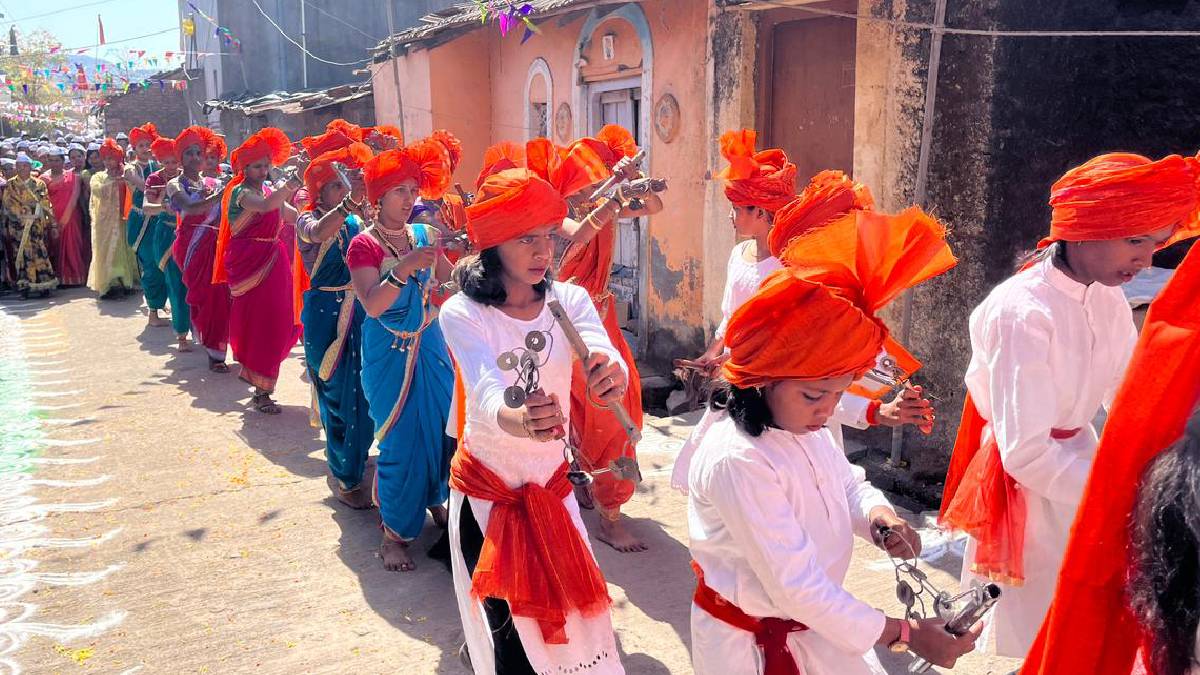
(188, 26)
(508, 15)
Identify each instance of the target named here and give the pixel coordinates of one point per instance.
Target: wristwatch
(900, 644)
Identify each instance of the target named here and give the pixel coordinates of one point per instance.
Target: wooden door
(812, 94)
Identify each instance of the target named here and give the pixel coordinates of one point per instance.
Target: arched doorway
(612, 85)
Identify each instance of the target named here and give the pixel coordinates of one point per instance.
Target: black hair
(479, 277)
(747, 406)
(1039, 254)
(1164, 580)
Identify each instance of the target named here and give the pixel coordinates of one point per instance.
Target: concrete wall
(340, 31)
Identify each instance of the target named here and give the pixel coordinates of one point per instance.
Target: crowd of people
(432, 327)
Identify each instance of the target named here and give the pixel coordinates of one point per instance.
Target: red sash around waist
(770, 633)
(982, 499)
(533, 557)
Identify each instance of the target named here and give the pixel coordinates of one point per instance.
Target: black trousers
(508, 650)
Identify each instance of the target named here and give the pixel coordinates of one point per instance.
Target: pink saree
(68, 254)
(262, 328)
(194, 250)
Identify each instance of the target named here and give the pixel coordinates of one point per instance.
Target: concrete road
(151, 522)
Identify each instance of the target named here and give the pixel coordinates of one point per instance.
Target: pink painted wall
(476, 85)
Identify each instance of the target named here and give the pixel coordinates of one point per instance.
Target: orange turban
(321, 170)
(195, 135)
(501, 156)
(218, 148)
(162, 148)
(511, 203)
(326, 142)
(764, 179)
(1120, 195)
(612, 143)
(453, 146)
(424, 161)
(110, 150)
(830, 195)
(146, 132)
(570, 169)
(816, 318)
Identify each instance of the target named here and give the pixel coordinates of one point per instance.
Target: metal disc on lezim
(535, 341)
(514, 397)
(506, 361)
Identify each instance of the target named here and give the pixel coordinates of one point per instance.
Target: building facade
(970, 108)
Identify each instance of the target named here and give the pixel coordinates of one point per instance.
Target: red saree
(194, 250)
(68, 257)
(262, 328)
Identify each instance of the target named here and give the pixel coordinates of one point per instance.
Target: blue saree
(333, 320)
(408, 378)
(140, 235)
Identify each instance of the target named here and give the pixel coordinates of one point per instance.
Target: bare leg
(441, 517)
(157, 321)
(614, 533)
(395, 554)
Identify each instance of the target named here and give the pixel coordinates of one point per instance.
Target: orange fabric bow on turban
(764, 179)
(510, 204)
(499, 157)
(197, 135)
(270, 144)
(611, 144)
(349, 129)
(321, 170)
(163, 148)
(147, 132)
(830, 195)
(816, 318)
(454, 147)
(570, 169)
(326, 142)
(424, 161)
(369, 133)
(1120, 195)
(110, 150)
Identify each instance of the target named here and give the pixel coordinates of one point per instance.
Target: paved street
(150, 522)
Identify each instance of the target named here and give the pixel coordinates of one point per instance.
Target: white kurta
(772, 523)
(477, 335)
(1047, 352)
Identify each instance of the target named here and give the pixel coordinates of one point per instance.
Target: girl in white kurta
(773, 504)
(1049, 347)
(522, 448)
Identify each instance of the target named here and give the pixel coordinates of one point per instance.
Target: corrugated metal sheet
(289, 102)
(464, 17)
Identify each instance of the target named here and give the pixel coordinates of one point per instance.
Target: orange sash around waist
(982, 499)
(533, 556)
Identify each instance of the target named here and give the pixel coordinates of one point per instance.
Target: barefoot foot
(614, 533)
(357, 497)
(440, 516)
(157, 321)
(185, 345)
(395, 555)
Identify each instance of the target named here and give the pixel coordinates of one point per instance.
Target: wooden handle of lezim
(581, 350)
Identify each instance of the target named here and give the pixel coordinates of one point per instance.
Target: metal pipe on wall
(921, 188)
